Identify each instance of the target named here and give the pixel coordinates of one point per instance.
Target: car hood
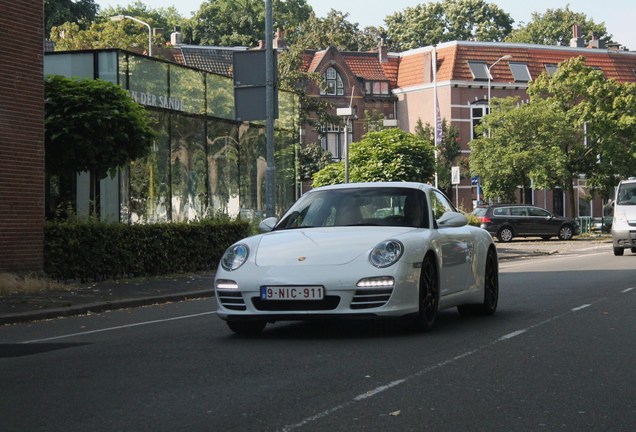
(320, 246)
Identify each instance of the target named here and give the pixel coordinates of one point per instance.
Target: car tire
(618, 251)
(491, 289)
(428, 296)
(566, 232)
(633, 250)
(505, 234)
(246, 328)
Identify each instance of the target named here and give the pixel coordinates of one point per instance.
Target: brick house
(22, 137)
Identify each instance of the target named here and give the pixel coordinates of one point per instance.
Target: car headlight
(386, 253)
(234, 257)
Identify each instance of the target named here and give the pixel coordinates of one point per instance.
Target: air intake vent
(371, 298)
(231, 300)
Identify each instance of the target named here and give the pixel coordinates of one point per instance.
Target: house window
(335, 86)
(377, 87)
(477, 112)
(520, 72)
(551, 68)
(479, 70)
(332, 139)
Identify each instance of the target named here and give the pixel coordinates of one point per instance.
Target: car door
(542, 222)
(456, 247)
(522, 224)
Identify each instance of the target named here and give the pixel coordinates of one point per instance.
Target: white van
(624, 222)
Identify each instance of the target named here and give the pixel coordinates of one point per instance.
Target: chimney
(383, 52)
(279, 42)
(576, 41)
(175, 36)
(595, 43)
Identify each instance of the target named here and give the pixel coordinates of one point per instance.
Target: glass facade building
(203, 161)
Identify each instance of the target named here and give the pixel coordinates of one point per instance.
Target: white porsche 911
(359, 250)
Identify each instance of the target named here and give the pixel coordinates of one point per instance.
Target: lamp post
(506, 57)
(123, 17)
(346, 113)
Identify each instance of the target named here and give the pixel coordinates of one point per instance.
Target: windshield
(358, 206)
(627, 194)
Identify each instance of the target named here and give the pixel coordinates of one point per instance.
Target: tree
(242, 22)
(92, 125)
(128, 34)
(57, 12)
(554, 27)
(449, 20)
(520, 144)
(312, 159)
(334, 30)
(386, 155)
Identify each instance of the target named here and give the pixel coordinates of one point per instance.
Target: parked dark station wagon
(506, 221)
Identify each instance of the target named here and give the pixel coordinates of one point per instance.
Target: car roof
(409, 185)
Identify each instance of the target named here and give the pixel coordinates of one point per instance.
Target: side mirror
(452, 220)
(267, 224)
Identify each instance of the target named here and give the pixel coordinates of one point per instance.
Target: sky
(618, 15)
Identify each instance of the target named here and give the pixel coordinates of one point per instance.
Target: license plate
(292, 293)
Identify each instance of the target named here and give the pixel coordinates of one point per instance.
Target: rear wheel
(428, 295)
(491, 289)
(566, 232)
(633, 250)
(618, 251)
(505, 234)
(246, 328)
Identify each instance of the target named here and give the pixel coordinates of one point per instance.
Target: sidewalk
(110, 295)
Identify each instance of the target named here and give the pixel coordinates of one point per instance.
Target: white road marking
(581, 307)
(118, 327)
(513, 334)
(627, 290)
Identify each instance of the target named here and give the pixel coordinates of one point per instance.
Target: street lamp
(346, 113)
(123, 17)
(506, 57)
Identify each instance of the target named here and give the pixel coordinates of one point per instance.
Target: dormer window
(377, 87)
(520, 72)
(551, 68)
(335, 86)
(479, 70)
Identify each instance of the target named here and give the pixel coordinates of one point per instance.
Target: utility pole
(270, 172)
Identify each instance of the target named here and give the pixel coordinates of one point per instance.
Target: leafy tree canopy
(386, 155)
(449, 20)
(92, 125)
(554, 27)
(242, 22)
(57, 12)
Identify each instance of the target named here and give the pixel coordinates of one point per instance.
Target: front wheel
(618, 251)
(491, 289)
(246, 328)
(428, 296)
(566, 232)
(505, 234)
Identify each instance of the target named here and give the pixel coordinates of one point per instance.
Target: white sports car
(359, 250)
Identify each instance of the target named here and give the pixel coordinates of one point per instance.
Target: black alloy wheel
(491, 289)
(428, 295)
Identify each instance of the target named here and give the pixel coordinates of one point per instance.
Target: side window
(519, 211)
(440, 205)
(537, 212)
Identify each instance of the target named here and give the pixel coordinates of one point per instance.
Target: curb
(98, 307)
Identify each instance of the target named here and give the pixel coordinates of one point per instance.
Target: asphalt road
(558, 355)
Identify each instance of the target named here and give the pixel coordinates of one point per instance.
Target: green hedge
(98, 251)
